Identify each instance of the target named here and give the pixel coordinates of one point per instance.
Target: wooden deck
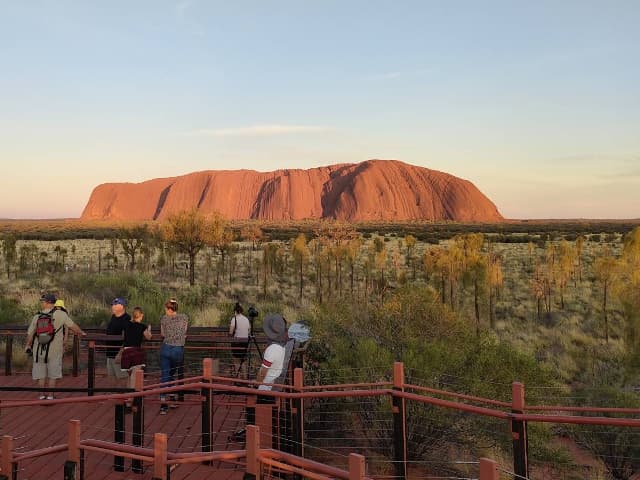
(39, 426)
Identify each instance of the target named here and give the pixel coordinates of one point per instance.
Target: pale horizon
(538, 105)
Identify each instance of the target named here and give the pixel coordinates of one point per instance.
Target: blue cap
(48, 297)
(119, 301)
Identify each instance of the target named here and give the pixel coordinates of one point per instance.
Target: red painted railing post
(7, 456)
(253, 452)
(488, 469)
(138, 419)
(298, 413)
(160, 467)
(73, 442)
(519, 433)
(207, 407)
(399, 423)
(71, 466)
(356, 467)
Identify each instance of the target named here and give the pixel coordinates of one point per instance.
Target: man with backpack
(45, 342)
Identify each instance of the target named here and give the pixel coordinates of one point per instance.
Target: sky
(536, 103)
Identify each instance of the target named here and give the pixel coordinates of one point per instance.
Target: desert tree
(269, 259)
(565, 264)
(495, 279)
(579, 245)
(9, 252)
(300, 254)
(476, 274)
(188, 232)
(538, 289)
(410, 247)
(628, 289)
(220, 237)
(605, 269)
(435, 263)
(352, 252)
(132, 240)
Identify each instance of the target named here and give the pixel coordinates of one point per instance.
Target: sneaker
(173, 399)
(42, 397)
(164, 409)
(49, 397)
(238, 436)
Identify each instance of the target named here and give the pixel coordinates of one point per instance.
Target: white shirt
(273, 359)
(242, 326)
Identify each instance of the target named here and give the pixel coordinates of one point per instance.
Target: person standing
(133, 355)
(240, 329)
(45, 343)
(119, 320)
(173, 328)
(275, 329)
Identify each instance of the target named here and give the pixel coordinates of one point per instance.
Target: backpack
(45, 332)
(44, 328)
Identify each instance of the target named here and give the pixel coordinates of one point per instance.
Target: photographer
(240, 329)
(275, 329)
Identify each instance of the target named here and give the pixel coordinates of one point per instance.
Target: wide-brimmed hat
(275, 328)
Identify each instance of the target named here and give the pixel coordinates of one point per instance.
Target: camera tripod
(247, 358)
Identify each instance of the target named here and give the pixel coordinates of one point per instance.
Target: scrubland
(467, 307)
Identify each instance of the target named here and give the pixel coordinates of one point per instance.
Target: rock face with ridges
(375, 190)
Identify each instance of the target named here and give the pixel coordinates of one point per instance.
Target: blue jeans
(171, 361)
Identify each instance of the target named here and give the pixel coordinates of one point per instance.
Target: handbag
(131, 357)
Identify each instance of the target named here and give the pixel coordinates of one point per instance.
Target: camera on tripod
(253, 313)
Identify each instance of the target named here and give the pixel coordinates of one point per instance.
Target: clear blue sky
(537, 103)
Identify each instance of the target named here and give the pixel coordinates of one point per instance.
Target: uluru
(373, 190)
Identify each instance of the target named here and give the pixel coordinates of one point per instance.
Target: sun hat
(59, 303)
(119, 301)
(275, 328)
(48, 297)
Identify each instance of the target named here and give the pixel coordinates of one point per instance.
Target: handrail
(207, 386)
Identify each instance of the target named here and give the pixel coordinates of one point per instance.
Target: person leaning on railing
(173, 328)
(47, 357)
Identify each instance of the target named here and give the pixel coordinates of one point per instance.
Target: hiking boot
(164, 408)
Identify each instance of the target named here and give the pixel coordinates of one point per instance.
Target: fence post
(356, 467)
(519, 433)
(118, 434)
(91, 367)
(73, 451)
(399, 423)
(7, 456)
(160, 467)
(253, 452)
(298, 413)
(8, 354)
(488, 469)
(76, 355)
(138, 420)
(207, 407)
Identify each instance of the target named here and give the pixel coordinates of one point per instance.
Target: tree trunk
(604, 310)
(192, 268)
(301, 279)
(476, 305)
